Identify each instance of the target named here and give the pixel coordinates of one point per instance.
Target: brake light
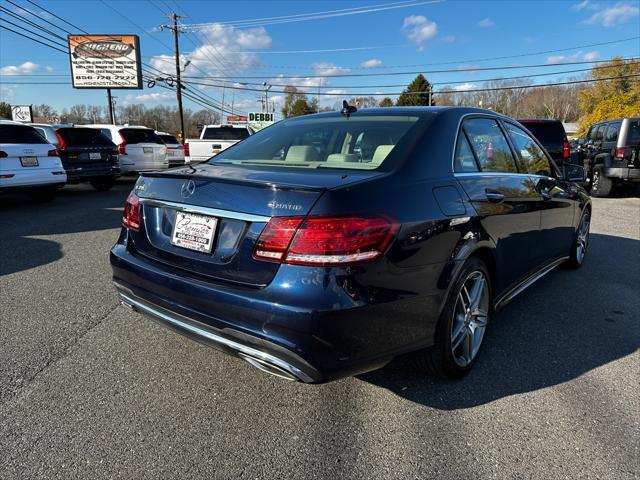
(325, 241)
(122, 150)
(53, 153)
(3, 154)
(619, 152)
(61, 143)
(186, 150)
(131, 214)
(566, 149)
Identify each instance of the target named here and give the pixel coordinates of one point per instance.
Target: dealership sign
(105, 61)
(22, 113)
(259, 120)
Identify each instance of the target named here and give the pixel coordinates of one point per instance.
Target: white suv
(140, 148)
(28, 162)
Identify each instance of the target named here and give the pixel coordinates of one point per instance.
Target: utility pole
(112, 117)
(176, 31)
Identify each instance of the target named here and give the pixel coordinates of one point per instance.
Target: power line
(32, 32)
(29, 22)
(33, 39)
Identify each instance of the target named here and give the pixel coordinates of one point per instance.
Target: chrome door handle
(494, 197)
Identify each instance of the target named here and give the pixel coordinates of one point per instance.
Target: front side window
(532, 158)
(599, 135)
(361, 142)
(611, 135)
(490, 146)
(464, 159)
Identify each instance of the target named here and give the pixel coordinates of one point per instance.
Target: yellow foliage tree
(610, 99)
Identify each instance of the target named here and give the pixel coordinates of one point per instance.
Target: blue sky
(379, 38)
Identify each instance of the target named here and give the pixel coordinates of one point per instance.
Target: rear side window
(140, 135)
(532, 158)
(611, 134)
(20, 134)
(464, 159)
(225, 133)
(169, 139)
(490, 146)
(84, 136)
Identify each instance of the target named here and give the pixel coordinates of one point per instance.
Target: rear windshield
(361, 143)
(633, 132)
(546, 132)
(84, 136)
(225, 133)
(140, 135)
(20, 134)
(169, 139)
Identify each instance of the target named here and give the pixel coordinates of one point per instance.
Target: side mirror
(574, 173)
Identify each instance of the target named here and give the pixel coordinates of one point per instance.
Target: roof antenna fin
(347, 109)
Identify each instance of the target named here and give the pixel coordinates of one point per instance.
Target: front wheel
(462, 324)
(581, 242)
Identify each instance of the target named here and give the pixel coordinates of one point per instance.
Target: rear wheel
(462, 324)
(600, 184)
(103, 184)
(581, 242)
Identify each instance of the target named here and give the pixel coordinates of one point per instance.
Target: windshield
(140, 135)
(169, 139)
(20, 134)
(361, 143)
(225, 133)
(84, 136)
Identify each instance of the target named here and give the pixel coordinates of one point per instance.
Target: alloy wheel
(470, 318)
(583, 237)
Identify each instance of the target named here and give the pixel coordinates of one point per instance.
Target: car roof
(12, 122)
(420, 110)
(539, 120)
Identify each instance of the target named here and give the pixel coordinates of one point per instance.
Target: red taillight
(122, 150)
(53, 153)
(186, 150)
(61, 143)
(566, 149)
(619, 152)
(3, 154)
(320, 240)
(131, 214)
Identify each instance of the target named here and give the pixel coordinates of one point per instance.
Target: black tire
(103, 184)
(43, 196)
(439, 360)
(601, 185)
(580, 241)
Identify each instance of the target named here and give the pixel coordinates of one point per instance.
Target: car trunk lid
(240, 201)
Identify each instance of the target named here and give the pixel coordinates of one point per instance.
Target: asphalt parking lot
(89, 389)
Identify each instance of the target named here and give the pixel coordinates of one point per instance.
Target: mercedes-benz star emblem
(187, 189)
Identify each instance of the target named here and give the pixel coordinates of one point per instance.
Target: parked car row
(96, 154)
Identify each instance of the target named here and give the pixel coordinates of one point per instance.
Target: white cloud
(419, 29)
(49, 69)
(576, 57)
(448, 39)
(22, 69)
(336, 93)
(326, 68)
(150, 97)
(486, 23)
(7, 92)
(610, 17)
(464, 87)
(223, 51)
(581, 5)
(373, 63)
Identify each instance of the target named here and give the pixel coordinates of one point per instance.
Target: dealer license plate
(194, 232)
(29, 161)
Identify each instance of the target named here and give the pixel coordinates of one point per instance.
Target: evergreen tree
(417, 93)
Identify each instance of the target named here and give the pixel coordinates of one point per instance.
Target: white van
(140, 149)
(28, 162)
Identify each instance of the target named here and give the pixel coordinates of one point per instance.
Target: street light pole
(176, 31)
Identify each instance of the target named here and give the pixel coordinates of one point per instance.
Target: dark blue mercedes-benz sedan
(325, 245)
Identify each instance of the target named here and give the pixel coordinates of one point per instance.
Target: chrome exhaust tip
(268, 368)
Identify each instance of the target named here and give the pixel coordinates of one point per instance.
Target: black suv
(551, 134)
(88, 156)
(612, 154)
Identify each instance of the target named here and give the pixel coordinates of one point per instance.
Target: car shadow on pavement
(567, 324)
(76, 209)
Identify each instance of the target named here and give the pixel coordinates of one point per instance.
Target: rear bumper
(311, 331)
(632, 174)
(78, 173)
(138, 166)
